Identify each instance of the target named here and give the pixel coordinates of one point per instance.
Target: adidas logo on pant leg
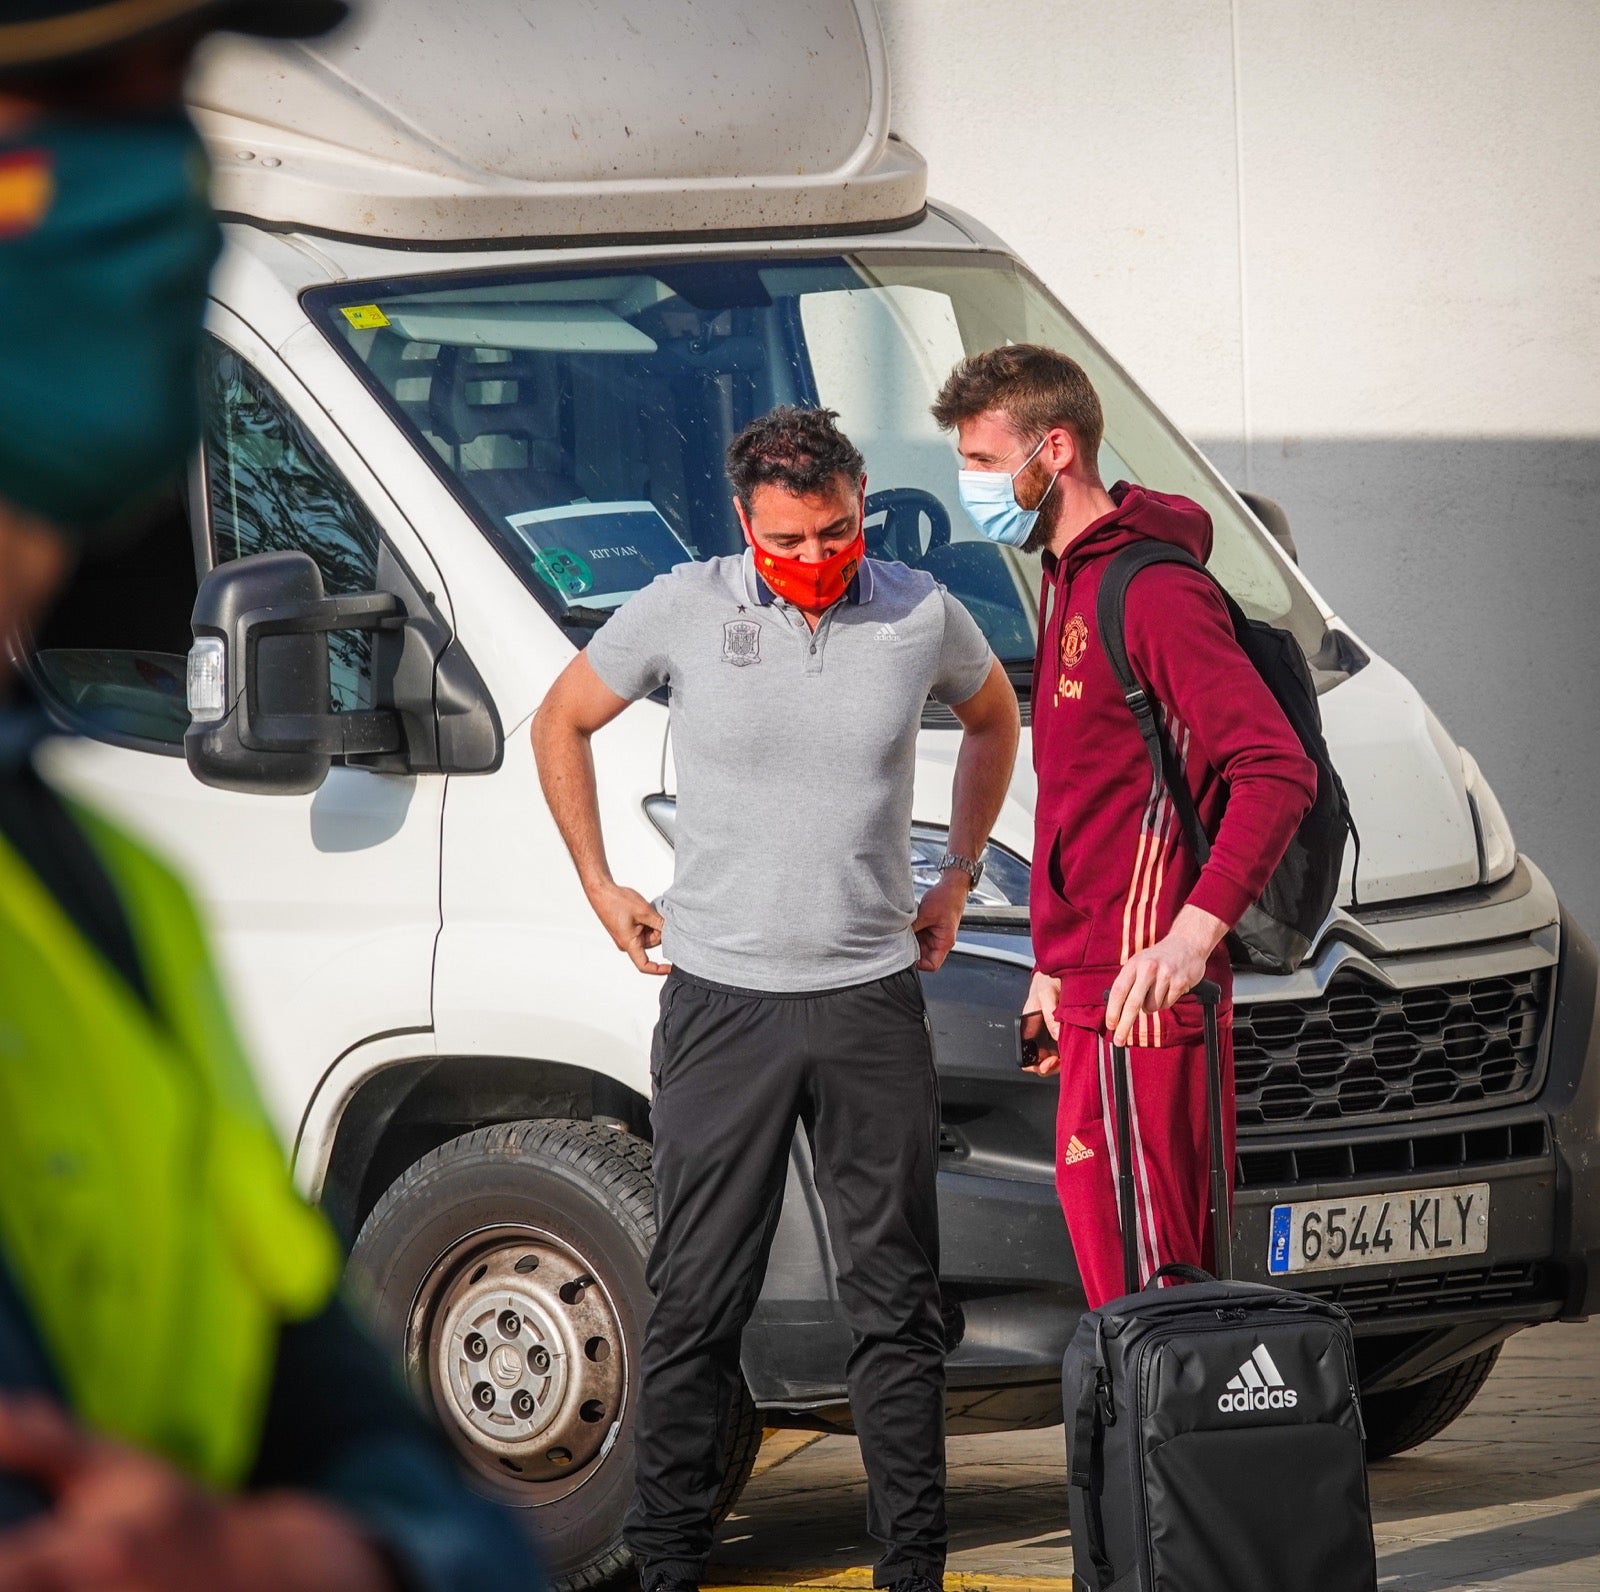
(1076, 1151)
(1258, 1386)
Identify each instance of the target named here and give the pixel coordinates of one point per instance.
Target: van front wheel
(1409, 1416)
(506, 1269)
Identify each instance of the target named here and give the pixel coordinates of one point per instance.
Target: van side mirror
(1274, 519)
(258, 677)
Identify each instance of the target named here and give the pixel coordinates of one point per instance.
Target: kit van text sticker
(364, 317)
(565, 571)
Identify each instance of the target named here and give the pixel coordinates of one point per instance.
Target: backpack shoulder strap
(1110, 614)
(1112, 603)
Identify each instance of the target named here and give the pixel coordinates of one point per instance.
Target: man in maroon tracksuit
(1118, 901)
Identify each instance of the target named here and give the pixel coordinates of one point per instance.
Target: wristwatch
(973, 870)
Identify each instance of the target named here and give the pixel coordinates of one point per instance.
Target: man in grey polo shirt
(797, 674)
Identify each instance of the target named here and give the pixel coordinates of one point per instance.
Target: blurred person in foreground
(185, 1404)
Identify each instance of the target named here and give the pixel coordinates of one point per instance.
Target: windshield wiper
(583, 618)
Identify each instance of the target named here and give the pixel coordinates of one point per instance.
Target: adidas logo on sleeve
(1258, 1386)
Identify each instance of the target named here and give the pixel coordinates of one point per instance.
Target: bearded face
(1032, 489)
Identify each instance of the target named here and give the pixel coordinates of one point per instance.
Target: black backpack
(1275, 932)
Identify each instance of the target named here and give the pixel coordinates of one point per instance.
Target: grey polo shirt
(795, 754)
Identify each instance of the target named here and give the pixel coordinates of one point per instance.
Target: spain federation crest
(741, 642)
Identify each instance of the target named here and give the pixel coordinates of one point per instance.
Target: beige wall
(1355, 249)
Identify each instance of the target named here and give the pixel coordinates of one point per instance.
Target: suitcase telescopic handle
(1209, 994)
(1127, 1213)
(1221, 1171)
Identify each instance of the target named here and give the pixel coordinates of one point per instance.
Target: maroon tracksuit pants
(1171, 1153)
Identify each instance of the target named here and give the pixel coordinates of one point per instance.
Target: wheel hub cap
(526, 1357)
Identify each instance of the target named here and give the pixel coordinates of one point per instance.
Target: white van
(500, 283)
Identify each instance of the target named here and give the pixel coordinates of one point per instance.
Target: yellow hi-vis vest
(146, 1211)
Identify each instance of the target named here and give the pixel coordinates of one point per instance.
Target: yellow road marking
(778, 1445)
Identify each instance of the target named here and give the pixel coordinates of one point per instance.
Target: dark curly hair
(801, 450)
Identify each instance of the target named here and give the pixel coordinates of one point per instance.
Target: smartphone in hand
(1034, 1040)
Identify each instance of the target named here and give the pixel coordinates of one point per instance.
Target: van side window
(271, 488)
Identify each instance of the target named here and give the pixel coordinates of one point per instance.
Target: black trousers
(733, 1072)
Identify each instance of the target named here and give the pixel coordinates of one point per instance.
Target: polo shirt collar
(859, 590)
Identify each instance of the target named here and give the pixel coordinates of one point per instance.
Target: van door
(325, 907)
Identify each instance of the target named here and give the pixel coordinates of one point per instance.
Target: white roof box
(454, 121)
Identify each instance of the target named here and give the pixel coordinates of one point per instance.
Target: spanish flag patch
(27, 186)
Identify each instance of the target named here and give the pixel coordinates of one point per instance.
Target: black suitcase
(1214, 1438)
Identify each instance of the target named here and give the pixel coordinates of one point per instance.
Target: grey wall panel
(1358, 248)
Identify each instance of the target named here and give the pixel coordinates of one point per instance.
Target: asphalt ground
(1507, 1498)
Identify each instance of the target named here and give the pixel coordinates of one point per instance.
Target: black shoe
(672, 1583)
(917, 1581)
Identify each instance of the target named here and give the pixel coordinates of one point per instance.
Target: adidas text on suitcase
(1214, 1436)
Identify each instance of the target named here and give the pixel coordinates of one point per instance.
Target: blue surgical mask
(990, 499)
(106, 243)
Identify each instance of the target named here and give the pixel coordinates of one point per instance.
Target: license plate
(1379, 1229)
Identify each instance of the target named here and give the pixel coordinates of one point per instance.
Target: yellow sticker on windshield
(364, 317)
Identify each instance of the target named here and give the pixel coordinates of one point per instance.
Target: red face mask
(811, 586)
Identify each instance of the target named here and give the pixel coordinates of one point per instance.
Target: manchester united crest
(741, 642)
(1074, 641)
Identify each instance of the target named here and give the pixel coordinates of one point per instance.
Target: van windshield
(581, 416)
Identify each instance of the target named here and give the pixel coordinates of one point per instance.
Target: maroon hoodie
(1111, 868)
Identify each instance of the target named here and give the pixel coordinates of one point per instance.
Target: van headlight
(1497, 850)
(1005, 875)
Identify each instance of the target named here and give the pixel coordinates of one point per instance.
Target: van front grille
(1363, 1050)
(1406, 1293)
(1281, 1166)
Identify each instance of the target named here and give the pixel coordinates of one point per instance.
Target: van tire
(588, 1189)
(1409, 1416)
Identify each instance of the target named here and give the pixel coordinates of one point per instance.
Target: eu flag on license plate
(1278, 1245)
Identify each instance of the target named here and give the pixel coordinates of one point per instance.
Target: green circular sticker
(565, 571)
